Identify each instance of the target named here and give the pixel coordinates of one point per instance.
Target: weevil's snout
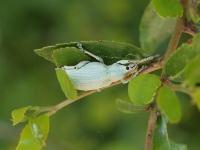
(131, 66)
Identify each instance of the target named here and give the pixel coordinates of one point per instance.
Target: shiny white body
(87, 76)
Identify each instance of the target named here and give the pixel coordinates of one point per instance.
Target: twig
(150, 129)
(172, 46)
(173, 43)
(189, 29)
(53, 109)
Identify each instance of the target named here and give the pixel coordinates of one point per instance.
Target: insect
(88, 75)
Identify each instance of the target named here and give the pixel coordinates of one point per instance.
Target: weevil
(87, 75)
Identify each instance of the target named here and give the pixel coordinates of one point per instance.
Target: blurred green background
(93, 123)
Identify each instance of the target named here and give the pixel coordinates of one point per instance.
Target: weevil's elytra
(93, 75)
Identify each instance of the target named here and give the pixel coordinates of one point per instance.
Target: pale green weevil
(88, 75)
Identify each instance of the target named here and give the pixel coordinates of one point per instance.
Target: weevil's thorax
(119, 70)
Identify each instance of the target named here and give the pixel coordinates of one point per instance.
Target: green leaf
(66, 84)
(169, 104)
(196, 97)
(153, 38)
(194, 10)
(34, 134)
(160, 137)
(108, 50)
(142, 88)
(175, 65)
(40, 128)
(27, 141)
(69, 56)
(192, 71)
(175, 146)
(161, 140)
(168, 8)
(18, 115)
(128, 107)
(47, 52)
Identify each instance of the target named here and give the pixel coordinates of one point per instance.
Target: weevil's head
(120, 69)
(127, 65)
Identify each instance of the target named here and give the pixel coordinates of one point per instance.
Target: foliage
(66, 84)
(34, 134)
(69, 53)
(148, 83)
(169, 104)
(161, 140)
(180, 72)
(151, 38)
(168, 8)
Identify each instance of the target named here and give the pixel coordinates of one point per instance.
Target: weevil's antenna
(145, 60)
(148, 59)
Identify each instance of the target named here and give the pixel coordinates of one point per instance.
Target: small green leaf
(192, 71)
(40, 128)
(27, 141)
(196, 97)
(69, 56)
(153, 38)
(184, 54)
(168, 8)
(142, 88)
(161, 140)
(108, 50)
(18, 115)
(175, 146)
(34, 134)
(47, 52)
(128, 107)
(169, 104)
(66, 84)
(194, 10)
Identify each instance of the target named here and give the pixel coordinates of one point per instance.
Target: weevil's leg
(148, 59)
(79, 45)
(69, 67)
(133, 75)
(78, 66)
(123, 62)
(98, 90)
(139, 71)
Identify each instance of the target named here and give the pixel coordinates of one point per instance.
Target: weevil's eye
(127, 68)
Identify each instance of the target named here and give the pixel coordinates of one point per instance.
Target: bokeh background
(93, 123)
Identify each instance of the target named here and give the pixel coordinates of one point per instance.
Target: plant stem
(150, 129)
(172, 46)
(53, 109)
(180, 27)
(173, 43)
(153, 113)
(67, 102)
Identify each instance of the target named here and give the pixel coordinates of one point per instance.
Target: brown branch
(150, 130)
(53, 109)
(173, 43)
(180, 27)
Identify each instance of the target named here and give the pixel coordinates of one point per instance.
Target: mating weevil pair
(87, 75)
